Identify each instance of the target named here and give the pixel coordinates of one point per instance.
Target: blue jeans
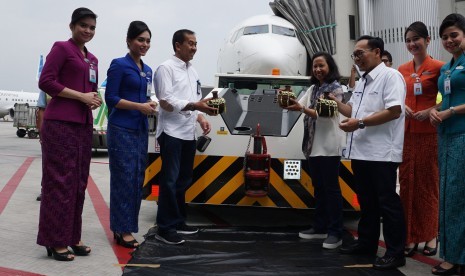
(324, 171)
(177, 167)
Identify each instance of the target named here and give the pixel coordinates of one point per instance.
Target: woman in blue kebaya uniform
(127, 95)
(450, 120)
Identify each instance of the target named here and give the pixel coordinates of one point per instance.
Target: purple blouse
(67, 67)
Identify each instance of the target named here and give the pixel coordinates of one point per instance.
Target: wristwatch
(190, 106)
(361, 124)
(302, 110)
(452, 110)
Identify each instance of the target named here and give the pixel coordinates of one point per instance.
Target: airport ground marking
(9, 271)
(10, 187)
(103, 214)
(418, 257)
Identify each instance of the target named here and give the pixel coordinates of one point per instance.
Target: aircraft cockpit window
(236, 35)
(283, 31)
(260, 29)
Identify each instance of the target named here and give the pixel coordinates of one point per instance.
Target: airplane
(9, 98)
(262, 42)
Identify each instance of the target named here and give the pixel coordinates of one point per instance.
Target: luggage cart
(25, 120)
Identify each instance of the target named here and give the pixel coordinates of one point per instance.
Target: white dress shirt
(380, 89)
(177, 83)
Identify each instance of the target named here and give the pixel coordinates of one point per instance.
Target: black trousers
(376, 191)
(324, 171)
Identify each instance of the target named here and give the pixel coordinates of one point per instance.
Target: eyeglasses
(359, 54)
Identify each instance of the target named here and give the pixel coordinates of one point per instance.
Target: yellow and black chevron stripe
(219, 180)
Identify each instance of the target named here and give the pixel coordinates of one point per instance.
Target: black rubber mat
(246, 251)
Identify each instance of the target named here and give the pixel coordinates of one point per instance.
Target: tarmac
(20, 176)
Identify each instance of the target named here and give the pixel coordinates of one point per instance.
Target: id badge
(417, 89)
(447, 88)
(199, 87)
(149, 89)
(92, 75)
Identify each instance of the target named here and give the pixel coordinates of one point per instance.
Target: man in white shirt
(386, 58)
(177, 88)
(375, 127)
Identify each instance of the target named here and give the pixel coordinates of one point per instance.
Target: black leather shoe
(439, 270)
(388, 262)
(356, 248)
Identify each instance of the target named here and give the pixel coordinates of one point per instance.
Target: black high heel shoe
(81, 250)
(429, 251)
(439, 270)
(409, 252)
(59, 256)
(128, 244)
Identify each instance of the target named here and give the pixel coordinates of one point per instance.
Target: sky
(30, 27)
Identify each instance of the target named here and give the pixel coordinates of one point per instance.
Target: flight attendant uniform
(419, 176)
(66, 137)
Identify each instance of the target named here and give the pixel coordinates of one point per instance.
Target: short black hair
(136, 28)
(180, 36)
(419, 28)
(453, 19)
(373, 42)
(386, 53)
(333, 73)
(81, 13)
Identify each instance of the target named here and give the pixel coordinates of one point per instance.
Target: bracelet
(452, 110)
(302, 110)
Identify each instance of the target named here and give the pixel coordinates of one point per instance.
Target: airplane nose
(262, 62)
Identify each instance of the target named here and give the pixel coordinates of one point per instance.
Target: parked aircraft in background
(8, 98)
(262, 42)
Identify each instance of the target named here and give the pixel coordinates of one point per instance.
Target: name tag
(447, 88)
(417, 89)
(149, 89)
(92, 75)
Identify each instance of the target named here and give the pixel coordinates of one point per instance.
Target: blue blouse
(456, 73)
(126, 81)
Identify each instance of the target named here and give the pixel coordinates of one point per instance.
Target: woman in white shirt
(322, 146)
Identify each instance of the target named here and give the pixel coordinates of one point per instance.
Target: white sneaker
(311, 234)
(332, 242)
